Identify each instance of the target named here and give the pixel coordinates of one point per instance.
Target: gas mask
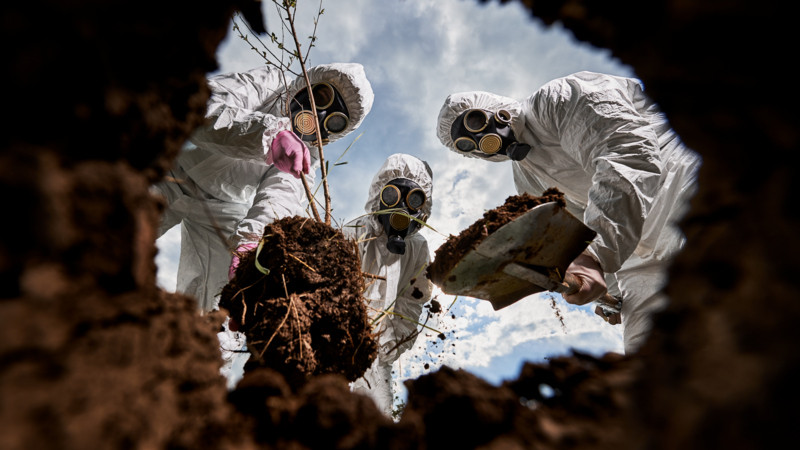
(404, 198)
(331, 111)
(488, 134)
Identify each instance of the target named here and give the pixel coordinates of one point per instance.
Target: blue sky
(415, 53)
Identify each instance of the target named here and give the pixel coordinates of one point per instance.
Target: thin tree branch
(323, 170)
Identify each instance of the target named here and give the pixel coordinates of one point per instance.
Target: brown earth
(456, 246)
(101, 95)
(306, 316)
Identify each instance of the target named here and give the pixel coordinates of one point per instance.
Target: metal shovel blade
(547, 239)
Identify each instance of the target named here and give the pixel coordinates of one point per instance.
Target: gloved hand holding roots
(289, 154)
(241, 250)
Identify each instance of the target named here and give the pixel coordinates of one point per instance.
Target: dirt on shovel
(455, 247)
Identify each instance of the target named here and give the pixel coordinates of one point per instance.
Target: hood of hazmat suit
(405, 288)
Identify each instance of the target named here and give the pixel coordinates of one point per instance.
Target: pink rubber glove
(240, 251)
(590, 274)
(289, 154)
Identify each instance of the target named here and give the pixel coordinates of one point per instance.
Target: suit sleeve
(599, 127)
(235, 124)
(278, 195)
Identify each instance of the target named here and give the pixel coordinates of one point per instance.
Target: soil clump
(299, 302)
(84, 368)
(456, 246)
(529, 411)
(323, 413)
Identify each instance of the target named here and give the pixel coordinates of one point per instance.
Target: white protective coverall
(623, 170)
(406, 287)
(221, 189)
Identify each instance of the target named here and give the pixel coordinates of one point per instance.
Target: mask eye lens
(475, 120)
(415, 199)
(323, 95)
(465, 144)
(336, 122)
(390, 196)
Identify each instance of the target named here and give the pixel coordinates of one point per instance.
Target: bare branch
(319, 142)
(313, 36)
(286, 11)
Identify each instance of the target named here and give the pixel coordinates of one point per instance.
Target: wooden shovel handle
(572, 284)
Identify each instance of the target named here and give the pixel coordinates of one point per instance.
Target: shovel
(530, 254)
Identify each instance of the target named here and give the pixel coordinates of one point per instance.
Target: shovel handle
(609, 304)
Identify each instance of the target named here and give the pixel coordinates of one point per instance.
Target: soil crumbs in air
(306, 316)
(455, 247)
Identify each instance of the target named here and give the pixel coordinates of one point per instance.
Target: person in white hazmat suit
(391, 248)
(601, 141)
(241, 170)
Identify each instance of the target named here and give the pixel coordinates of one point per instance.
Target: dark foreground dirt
(100, 97)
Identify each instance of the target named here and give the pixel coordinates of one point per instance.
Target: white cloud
(169, 250)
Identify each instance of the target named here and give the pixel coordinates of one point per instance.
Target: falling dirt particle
(442, 336)
(416, 293)
(436, 307)
(558, 313)
(427, 366)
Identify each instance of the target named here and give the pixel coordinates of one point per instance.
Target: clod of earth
(306, 316)
(455, 247)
